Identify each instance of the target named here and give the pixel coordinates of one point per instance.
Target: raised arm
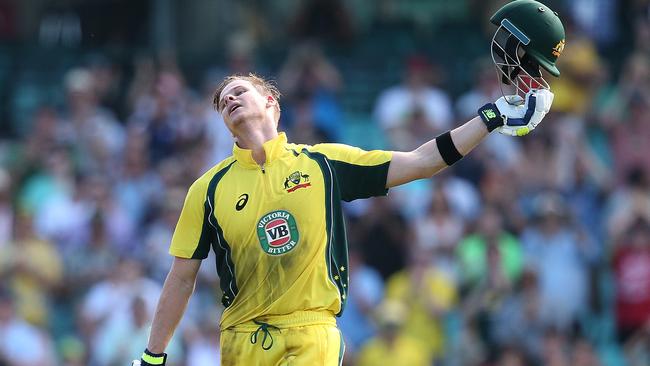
(426, 160)
(444, 150)
(175, 295)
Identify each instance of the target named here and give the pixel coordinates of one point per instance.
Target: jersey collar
(273, 148)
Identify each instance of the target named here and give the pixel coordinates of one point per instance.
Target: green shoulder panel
(359, 173)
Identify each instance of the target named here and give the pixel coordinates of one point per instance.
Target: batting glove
(512, 115)
(150, 359)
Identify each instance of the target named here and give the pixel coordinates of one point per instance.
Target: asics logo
(241, 203)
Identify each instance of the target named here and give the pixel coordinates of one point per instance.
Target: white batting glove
(512, 115)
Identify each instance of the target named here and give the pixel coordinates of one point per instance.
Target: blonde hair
(264, 86)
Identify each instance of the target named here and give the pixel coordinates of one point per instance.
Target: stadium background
(531, 251)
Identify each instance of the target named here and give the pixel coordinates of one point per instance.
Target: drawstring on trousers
(264, 327)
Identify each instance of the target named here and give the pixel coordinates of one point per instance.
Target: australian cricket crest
(295, 181)
(277, 232)
(557, 50)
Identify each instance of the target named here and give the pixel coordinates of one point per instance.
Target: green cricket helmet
(530, 36)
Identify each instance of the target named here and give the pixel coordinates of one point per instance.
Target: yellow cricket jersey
(278, 230)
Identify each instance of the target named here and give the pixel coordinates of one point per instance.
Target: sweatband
(447, 149)
(154, 358)
(491, 116)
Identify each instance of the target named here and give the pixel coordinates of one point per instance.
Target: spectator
(311, 84)
(631, 265)
(138, 187)
(91, 262)
(118, 340)
(582, 72)
(536, 169)
(159, 233)
(67, 219)
(109, 301)
(33, 270)
(22, 344)
(47, 132)
(500, 189)
(628, 202)
(561, 257)
(492, 254)
(381, 234)
(517, 321)
(486, 88)
(52, 179)
(441, 227)
(441, 230)
(107, 77)
(428, 295)
(158, 112)
(99, 136)
(415, 108)
(633, 135)
(598, 20)
(392, 346)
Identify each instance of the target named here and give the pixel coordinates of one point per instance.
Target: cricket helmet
(529, 35)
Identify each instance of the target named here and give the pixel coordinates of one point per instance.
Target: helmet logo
(557, 50)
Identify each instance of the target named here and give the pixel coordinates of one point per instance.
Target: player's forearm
(435, 155)
(465, 138)
(171, 307)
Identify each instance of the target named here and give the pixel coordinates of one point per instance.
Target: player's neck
(254, 138)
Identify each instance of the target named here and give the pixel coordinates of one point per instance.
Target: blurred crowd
(530, 251)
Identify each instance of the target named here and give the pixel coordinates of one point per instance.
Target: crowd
(530, 251)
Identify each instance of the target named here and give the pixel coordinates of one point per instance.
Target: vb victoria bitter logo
(277, 232)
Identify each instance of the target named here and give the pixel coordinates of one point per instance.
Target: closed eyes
(238, 91)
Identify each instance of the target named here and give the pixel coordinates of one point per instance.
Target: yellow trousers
(301, 338)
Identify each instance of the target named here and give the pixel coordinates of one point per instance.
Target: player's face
(241, 100)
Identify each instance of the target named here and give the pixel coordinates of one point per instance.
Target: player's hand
(518, 116)
(150, 359)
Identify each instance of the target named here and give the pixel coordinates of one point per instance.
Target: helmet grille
(515, 67)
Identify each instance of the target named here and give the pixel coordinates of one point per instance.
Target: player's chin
(237, 119)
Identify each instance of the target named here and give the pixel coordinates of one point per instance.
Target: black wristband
(491, 116)
(447, 149)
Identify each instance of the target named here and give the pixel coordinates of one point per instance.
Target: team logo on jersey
(296, 180)
(557, 50)
(277, 232)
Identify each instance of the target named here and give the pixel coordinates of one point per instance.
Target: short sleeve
(191, 236)
(359, 173)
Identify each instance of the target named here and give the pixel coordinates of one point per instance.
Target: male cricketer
(271, 212)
